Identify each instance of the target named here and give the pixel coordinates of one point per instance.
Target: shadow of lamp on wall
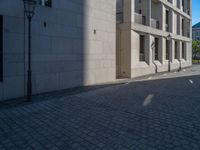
(29, 10)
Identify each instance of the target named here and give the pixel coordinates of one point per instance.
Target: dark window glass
(183, 27)
(1, 48)
(176, 50)
(167, 20)
(120, 11)
(167, 50)
(142, 48)
(183, 50)
(156, 49)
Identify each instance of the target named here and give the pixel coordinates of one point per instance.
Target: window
(119, 8)
(183, 27)
(47, 3)
(156, 49)
(167, 49)
(183, 50)
(142, 48)
(176, 50)
(178, 2)
(143, 20)
(167, 20)
(1, 48)
(183, 4)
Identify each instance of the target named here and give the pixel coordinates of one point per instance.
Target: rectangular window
(47, 3)
(167, 49)
(167, 20)
(142, 48)
(183, 27)
(143, 20)
(156, 49)
(1, 48)
(183, 4)
(176, 50)
(120, 11)
(183, 50)
(178, 3)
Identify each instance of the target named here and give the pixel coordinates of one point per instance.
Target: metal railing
(154, 23)
(140, 19)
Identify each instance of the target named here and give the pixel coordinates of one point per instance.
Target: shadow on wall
(58, 47)
(73, 44)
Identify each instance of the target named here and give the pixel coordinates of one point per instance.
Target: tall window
(167, 49)
(47, 3)
(120, 14)
(183, 50)
(183, 4)
(156, 49)
(176, 50)
(183, 27)
(142, 48)
(1, 48)
(167, 20)
(178, 3)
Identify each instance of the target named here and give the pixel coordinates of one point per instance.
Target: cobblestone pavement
(140, 115)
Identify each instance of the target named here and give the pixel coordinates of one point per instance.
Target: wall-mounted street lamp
(169, 38)
(29, 9)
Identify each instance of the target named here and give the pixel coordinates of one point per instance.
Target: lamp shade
(29, 7)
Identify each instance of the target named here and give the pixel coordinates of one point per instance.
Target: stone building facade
(86, 42)
(153, 36)
(73, 44)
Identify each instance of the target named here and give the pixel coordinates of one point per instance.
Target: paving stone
(109, 118)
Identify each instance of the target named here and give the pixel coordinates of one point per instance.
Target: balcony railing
(140, 19)
(154, 23)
